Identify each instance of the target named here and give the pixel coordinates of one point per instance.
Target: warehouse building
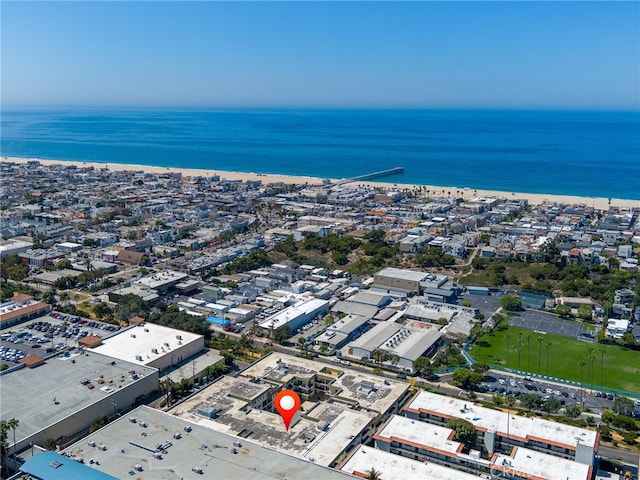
(152, 345)
(303, 311)
(404, 343)
(402, 282)
(60, 398)
(154, 445)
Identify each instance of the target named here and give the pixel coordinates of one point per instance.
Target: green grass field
(620, 366)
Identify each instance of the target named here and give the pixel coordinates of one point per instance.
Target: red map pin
(287, 403)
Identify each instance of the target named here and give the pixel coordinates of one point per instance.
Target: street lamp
(601, 365)
(540, 340)
(528, 354)
(548, 344)
(582, 364)
(591, 359)
(519, 348)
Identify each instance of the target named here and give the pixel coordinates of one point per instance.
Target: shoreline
(439, 191)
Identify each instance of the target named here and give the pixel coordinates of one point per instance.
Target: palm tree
(509, 401)
(88, 264)
(13, 423)
(373, 474)
(4, 428)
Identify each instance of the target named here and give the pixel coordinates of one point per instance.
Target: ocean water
(590, 154)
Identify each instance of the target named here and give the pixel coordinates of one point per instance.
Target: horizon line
(187, 107)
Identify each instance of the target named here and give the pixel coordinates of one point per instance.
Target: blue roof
(53, 466)
(218, 321)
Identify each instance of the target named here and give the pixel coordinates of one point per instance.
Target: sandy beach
(434, 191)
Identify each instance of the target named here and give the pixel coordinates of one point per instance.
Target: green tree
(480, 367)
(281, 334)
(552, 405)
(465, 432)
(102, 310)
(563, 310)
(423, 367)
(511, 303)
(373, 474)
(4, 430)
(64, 263)
(50, 444)
(530, 401)
(13, 423)
(573, 412)
(623, 406)
(585, 312)
(98, 423)
(380, 356)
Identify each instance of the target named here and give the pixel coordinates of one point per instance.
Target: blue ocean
(590, 154)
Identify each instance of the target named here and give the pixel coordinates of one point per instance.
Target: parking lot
(47, 334)
(567, 395)
(545, 322)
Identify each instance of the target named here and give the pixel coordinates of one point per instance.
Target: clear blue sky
(573, 55)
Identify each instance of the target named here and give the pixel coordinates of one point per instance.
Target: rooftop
(416, 432)
(161, 279)
(369, 391)
(536, 465)
(320, 433)
(396, 467)
(519, 427)
(46, 394)
(305, 306)
(154, 445)
(142, 344)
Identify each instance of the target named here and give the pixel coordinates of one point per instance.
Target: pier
(371, 176)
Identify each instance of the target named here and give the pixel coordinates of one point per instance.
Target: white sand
(433, 191)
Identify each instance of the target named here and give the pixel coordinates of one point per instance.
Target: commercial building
(338, 334)
(340, 408)
(152, 345)
(161, 282)
(498, 432)
(406, 282)
(154, 445)
(404, 343)
(21, 308)
(303, 311)
(60, 398)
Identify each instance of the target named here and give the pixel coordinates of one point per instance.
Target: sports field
(616, 367)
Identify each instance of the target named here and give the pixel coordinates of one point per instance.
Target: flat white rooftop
(161, 279)
(520, 427)
(540, 465)
(396, 467)
(145, 343)
(46, 394)
(432, 437)
(301, 308)
(130, 443)
(403, 274)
